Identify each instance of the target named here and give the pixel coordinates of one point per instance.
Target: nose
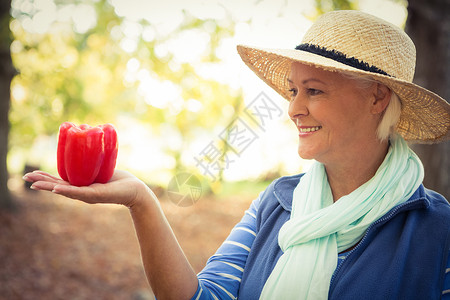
(297, 108)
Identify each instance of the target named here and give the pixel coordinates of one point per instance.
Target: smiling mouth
(309, 129)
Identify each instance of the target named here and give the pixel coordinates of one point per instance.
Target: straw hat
(360, 43)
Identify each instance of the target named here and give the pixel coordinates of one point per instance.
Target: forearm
(168, 271)
(222, 275)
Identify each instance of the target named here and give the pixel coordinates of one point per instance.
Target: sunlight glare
(160, 94)
(131, 29)
(391, 11)
(189, 45)
(148, 34)
(166, 16)
(84, 18)
(206, 10)
(128, 45)
(133, 65)
(43, 15)
(18, 92)
(193, 105)
(161, 50)
(143, 151)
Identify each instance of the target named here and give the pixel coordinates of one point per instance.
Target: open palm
(123, 188)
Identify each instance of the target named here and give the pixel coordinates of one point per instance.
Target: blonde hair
(391, 114)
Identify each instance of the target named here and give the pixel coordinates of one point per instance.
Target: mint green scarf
(319, 229)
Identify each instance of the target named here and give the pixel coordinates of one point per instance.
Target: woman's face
(334, 117)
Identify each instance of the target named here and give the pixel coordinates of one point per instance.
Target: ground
(55, 248)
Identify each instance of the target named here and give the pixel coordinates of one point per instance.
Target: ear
(381, 98)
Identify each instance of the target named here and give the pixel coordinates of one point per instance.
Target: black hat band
(340, 57)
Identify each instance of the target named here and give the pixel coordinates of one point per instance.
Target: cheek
(331, 116)
(353, 125)
(342, 121)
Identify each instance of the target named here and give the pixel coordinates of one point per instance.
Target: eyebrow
(307, 80)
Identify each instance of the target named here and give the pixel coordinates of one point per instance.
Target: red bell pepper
(86, 154)
(110, 148)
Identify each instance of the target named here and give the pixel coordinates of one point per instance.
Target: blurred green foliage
(91, 75)
(330, 5)
(65, 75)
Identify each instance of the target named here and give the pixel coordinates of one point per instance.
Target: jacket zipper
(393, 212)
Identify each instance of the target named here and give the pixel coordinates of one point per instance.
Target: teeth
(310, 129)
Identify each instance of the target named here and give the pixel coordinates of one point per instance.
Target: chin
(306, 154)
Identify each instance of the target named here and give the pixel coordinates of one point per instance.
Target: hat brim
(424, 118)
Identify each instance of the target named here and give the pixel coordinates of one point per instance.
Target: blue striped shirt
(221, 277)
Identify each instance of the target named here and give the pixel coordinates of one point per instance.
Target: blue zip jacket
(403, 255)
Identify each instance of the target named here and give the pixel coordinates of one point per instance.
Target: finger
(43, 185)
(34, 176)
(42, 176)
(47, 175)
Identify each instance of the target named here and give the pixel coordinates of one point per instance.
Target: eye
(313, 92)
(293, 92)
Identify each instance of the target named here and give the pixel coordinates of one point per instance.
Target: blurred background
(168, 76)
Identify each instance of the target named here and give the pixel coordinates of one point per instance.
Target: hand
(123, 188)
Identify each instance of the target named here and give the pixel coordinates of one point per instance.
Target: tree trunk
(6, 74)
(428, 25)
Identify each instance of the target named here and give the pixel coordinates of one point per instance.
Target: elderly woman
(359, 224)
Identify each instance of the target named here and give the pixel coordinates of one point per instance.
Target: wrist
(144, 196)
